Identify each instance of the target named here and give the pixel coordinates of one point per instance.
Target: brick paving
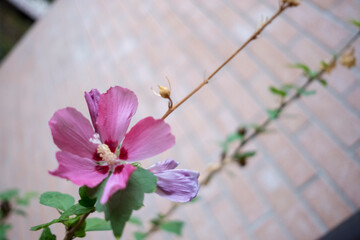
(304, 179)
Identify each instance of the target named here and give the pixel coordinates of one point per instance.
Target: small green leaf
(356, 23)
(47, 235)
(302, 66)
(84, 199)
(173, 227)
(135, 220)
(245, 154)
(276, 91)
(324, 64)
(306, 93)
(57, 200)
(194, 200)
(26, 199)
(38, 227)
(273, 113)
(97, 224)
(80, 231)
(139, 236)
(323, 82)
(3, 229)
(76, 209)
(9, 194)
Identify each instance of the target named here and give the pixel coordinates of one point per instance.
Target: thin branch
(217, 167)
(281, 9)
(70, 232)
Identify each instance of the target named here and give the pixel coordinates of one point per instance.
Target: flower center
(105, 153)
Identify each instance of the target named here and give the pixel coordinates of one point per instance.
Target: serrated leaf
(47, 235)
(276, 91)
(323, 82)
(273, 113)
(120, 206)
(97, 224)
(139, 236)
(84, 199)
(76, 209)
(57, 200)
(355, 22)
(135, 220)
(173, 227)
(9, 194)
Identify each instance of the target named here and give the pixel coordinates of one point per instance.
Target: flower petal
(178, 185)
(146, 139)
(72, 132)
(79, 170)
(168, 164)
(116, 108)
(92, 100)
(117, 181)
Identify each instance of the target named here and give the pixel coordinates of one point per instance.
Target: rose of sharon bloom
(89, 153)
(177, 185)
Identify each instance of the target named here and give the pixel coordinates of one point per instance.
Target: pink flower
(89, 154)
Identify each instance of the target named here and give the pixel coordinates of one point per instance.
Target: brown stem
(206, 81)
(70, 232)
(215, 168)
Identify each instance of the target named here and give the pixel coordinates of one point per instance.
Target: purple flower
(89, 154)
(178, 185)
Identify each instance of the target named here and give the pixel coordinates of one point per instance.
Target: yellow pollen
(105, 153)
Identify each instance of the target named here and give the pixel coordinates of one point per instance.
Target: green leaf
(276, 91)
(231, 138)
(57, 200)
(3, 229)
(173, 227)
(324, 64)
(139, 236)
(76, 209)
(245, 154)
(194, 200)
(97, 224)
(7, 195)
(47, 235)
(84, 199)
(26, 199)
(306, 93)
(303, 67)
(323, 82)
(38, 227)
(355, 22)
(119, 207)
(273, 113)
(80, 232)
(135, 220)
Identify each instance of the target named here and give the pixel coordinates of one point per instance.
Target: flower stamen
(105, 153)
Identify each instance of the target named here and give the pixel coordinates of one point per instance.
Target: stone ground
(304, 179)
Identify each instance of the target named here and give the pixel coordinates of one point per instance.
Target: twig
(70, 232)
(282, 8)
(217, 167)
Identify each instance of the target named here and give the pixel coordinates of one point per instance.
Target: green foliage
(355, 23)
(273, 113)
(242, 158)
(97, 224)
(57, 200)
(25, 200)
(84, 199)
(306, 70)
(80, 231)
(139, 236)
(172, 227)
(47, 235)
(135, 220)
(3, 229)
(76, 209)
(120, 206)
(303, 92)
(45, 225)
(323, 82)
(9, 194)
(236, 136)
(278, 92)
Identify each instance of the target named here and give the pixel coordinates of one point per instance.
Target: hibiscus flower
(90, 153)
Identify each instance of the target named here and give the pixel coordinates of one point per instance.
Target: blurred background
(303, 181)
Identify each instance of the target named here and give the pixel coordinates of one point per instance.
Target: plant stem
(70, 232)
(214, 169)
(282, 8)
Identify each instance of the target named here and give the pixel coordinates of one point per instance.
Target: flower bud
(292, 3)
(348, 59)
(164, 92)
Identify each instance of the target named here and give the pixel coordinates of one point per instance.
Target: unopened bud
(242, 131)
(329, 67)
(164, 92)
(348, 59)
(292, 3)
